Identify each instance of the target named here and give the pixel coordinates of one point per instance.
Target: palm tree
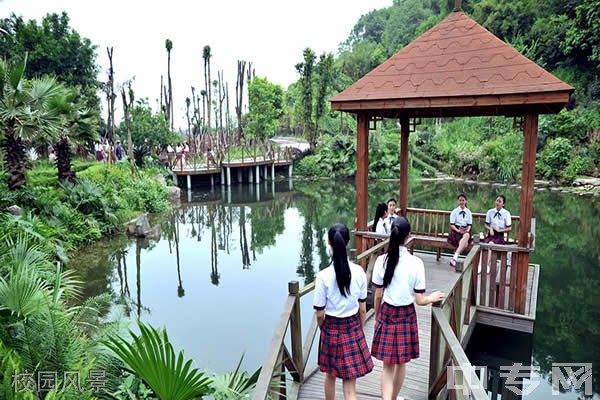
(79, 126)
(206, 55)
(24, 115)
(169, 47)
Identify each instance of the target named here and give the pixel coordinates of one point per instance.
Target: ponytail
(399, 233)
(339, 236)
(379, 212)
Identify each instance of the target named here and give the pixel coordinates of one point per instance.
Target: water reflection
(223, 261)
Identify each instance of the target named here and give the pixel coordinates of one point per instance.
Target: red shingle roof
(456, 58)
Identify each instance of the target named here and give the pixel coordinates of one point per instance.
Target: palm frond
(152, 357)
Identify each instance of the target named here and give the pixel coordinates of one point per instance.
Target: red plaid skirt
(454, 238)
(343, 350)
(396, 338)
(498, 238)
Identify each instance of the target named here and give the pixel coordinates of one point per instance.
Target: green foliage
(405, 18)
(234, 385)
(55, 49)
(266, 106)
(505, 154)
(152, 357)
(148, 129)
(555, 157)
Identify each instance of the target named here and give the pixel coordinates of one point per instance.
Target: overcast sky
(270, 33)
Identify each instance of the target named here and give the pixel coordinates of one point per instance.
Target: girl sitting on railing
(340, 296)
(399, 281)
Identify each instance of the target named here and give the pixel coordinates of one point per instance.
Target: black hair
(339, 236)
(392, 199)
(399, 233)
(379, 211)
(503, 199)
(461, 195)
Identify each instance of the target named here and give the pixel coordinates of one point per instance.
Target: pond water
(217, 277)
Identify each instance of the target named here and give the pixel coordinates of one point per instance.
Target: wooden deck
(439, 276)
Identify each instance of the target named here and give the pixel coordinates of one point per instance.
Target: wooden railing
(272, 381)
(501, 281)
(198, 158)
(448, 320)
(488, 282)
(436, 223)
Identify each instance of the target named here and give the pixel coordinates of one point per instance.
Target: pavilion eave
(458, 106)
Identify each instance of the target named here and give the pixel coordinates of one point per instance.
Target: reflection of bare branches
(180, 290)
(244, 239)
(214, 273)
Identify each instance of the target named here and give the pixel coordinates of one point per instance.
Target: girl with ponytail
(399, 281)
(340, 295)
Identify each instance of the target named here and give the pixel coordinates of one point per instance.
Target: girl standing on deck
(380, 223)
(399, 281)
(340, 295)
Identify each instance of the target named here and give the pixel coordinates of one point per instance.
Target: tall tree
(127, 104)
(25, 114)
(206, 55)
(239, 91)
(324, 81)
(305, 69)
(54, 49)
(108, 88)
(169, 47)
(266, 106)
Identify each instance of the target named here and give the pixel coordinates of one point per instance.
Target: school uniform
(396, 337)
(497, 219)
(461, 218)
(343, 350)
(383, 226)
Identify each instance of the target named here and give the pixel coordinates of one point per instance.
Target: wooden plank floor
(439, 276)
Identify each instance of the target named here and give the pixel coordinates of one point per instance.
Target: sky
(270, 33)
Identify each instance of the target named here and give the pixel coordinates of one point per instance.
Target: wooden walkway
(439, 276)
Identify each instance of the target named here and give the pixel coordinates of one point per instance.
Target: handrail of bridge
(447, 319)
(198, 158)
(272, 376)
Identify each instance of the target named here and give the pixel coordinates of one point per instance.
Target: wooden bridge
(485, 290)
(247, 163)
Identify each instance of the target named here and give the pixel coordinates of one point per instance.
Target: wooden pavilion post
(530, 127)
(404, 132)
(362, 174)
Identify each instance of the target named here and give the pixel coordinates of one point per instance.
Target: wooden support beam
(404, 132)
(296, 331)
(530, 128)
(362, 175)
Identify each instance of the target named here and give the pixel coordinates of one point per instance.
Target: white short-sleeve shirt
(329, 298)
(383, 226)
(498, 219)
(461, 217)
(408, 279)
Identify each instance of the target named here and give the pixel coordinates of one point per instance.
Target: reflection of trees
(305, 267)
(567, 250)
(244, 239)
(214, 270)
(267, 222)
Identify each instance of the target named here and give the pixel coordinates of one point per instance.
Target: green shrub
(555, 157)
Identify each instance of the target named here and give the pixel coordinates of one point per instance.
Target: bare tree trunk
(239, 91)
(227, 113)
(221, 88)
(127, 104)
(161, 93)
